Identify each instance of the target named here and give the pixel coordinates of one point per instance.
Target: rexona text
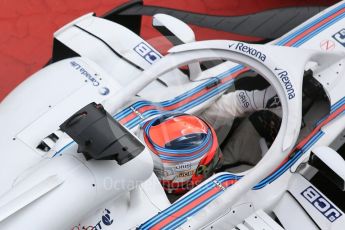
(249, 50)
(284, 77)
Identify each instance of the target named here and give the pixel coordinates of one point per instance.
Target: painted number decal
(147, 53)
(321, 204)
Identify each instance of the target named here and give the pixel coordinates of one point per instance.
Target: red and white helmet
(184, 149)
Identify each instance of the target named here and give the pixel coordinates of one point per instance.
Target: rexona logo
(147, 53)
(340, 37)
(244, 48)
(284, 77)
(321, 204)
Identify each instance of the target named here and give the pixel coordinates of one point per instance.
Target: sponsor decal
(185, 174)
(84, 73)
(104, 91)
(340, 37)
(245, 48)
(284, 77)
(183, 167)
(321, 204)
(327, 45)
(147, 53)
(106, 220)
(244, 100)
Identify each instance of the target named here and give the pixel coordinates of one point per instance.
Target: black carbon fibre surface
(267, 24)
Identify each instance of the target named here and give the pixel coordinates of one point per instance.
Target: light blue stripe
(137, 120)
(140, 104)
(308, 26)
(205, 97)
(179, 221)
(178, 205)
(334, 108)
(186, 200)
(65, 147)
(185, 158)
(199, 88)
(182, 219)
(318, 30)
(128, 110)
(288, 164)
(338, 105)
(187, 151)
(125, 112)
(183, 151)
(297, 155)
(188, 93)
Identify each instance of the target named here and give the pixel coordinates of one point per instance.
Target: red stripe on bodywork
(313, 133)
(193, 204)
(311, 29)
(186, 208)
(129, 117)
(181, 103)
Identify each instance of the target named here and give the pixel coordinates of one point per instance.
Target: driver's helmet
(184, 149)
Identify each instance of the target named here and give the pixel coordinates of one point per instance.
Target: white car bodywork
(59, 189)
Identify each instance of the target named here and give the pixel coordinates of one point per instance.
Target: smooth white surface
(29, 196)
(292, 215)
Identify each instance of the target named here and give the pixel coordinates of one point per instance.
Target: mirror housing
(177, 32)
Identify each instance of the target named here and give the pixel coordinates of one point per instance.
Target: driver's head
(184, 148)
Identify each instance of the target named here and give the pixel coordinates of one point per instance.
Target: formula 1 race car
(75, 154)
(26, 40)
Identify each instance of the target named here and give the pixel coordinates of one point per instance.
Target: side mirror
(177, 32)
(330, 164)
(174, 29)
